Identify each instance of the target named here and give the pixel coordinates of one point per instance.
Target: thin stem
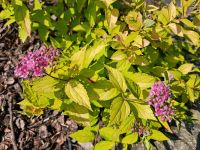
(66, 80)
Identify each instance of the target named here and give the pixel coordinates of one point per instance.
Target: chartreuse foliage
(112, 54)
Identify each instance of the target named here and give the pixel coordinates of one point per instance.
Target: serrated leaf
(91, 13)
(112, 18)
(193, 87)
(6, 13)
(83, 136)
(104, 145)
(148, 23)
(188, 23)
(192, 36)
(130, 139)
(144, 111)
(117, 78)
(176, 73)
(143, 80)
(186, 68)
(118, 55)
(165, 124)
(84, 27)
(80, 4)
(78, 94)
(78, 113)
(176, 29)
(172, 11)
(157, 135)
(29, 93)
(119, 110)
(22, 17)
(43, 32)
(108, 94)
(134, 88)
(94, 52)
(108, 133)
(127, 124)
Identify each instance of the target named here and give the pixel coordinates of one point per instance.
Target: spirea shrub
(126, 69)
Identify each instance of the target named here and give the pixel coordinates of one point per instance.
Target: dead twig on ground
(11, 123)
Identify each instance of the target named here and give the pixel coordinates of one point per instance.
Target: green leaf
(148, 23)
(117, 78)
(176, 29)
(163, 16)
(186, 68)
(108, 133)
(130, 139)
(107, 94)
(84, 27)
(157, 135)
(78, 94)
(6, 13)
(78, 113)
(94, 52)
(143, 80)
(43, 32)
(83, 136)
(192, 36)
(108, 2)
(37, 5)
(188, 23)
(144, 111)
(172, 11)
(91, 13)
(130, 38)
(134, 88)
(80, 4)
(112, 17)
(119, 110)
(127, 124)
(193, 87)
(22, 17)
(176, 73)
(104, 145)
(118, 55)
(29, 93)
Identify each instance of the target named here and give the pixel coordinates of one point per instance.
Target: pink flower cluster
(159, 99)
(33, 63)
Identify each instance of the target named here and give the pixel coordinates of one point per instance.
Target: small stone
(43, 131)
(10, 81)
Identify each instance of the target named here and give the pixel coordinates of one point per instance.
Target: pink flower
(159, 99)
(34, 63)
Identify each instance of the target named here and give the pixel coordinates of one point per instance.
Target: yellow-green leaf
(83, 136)
(78, 113)
(144, 111)
(186, 68)
(117, 78)
(157, 135)
(143, 80)
(172, 11)
(130, 139)
(104, 145)
(119, 110)
(78, 94)
(176, 29)
(192, 36)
